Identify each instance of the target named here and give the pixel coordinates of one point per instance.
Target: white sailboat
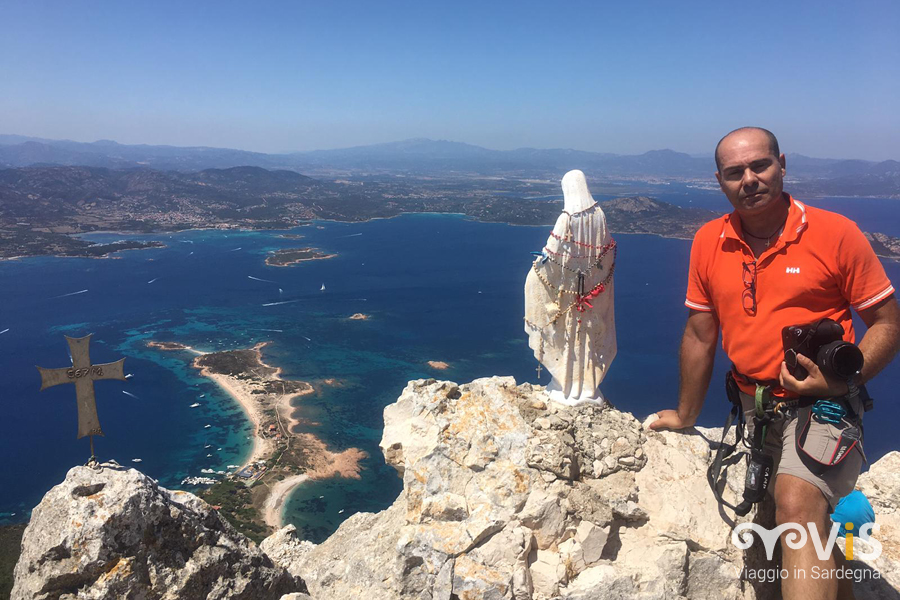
(323, 288)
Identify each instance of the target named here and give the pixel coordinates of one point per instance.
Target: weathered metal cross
(83, 374)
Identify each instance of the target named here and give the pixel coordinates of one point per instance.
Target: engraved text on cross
(83, 374)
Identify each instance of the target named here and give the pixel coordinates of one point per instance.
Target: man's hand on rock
(816, 383)
(670, 419)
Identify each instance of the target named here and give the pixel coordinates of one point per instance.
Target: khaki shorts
(836, 482)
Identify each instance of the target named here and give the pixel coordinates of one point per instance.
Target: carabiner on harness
(828, 411)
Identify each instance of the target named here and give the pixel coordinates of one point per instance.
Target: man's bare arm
(879, 346)
(882, 339)
(698, 351)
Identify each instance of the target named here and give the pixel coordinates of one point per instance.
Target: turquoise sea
(436, 287)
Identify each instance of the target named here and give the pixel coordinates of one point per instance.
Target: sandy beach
(253, 404)
(273, 508)
(266, 400)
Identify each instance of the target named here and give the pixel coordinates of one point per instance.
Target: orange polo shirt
(819, 267)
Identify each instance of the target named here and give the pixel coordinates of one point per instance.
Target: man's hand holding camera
(815, 384)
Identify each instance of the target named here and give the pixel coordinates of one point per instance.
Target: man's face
(751, 176)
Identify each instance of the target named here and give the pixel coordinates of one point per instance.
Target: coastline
(280, 459)
(273, 508)
(243, 394)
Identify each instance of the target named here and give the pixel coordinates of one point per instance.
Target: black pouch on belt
(759, 475)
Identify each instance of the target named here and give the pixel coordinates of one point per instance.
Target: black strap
(769, 383)
(725, 450)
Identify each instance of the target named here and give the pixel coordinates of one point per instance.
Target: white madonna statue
(569, 298)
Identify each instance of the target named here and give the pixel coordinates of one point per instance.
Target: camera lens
(840, 359)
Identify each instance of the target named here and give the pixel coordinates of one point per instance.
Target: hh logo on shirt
(794, 270)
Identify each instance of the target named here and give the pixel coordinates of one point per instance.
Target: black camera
(823, 343)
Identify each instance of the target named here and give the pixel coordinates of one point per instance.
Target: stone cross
(83, 374)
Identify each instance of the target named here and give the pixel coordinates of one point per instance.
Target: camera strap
(850, 438)
(848, 419)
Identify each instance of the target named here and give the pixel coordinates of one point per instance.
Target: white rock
(114, 533)
(592, 540)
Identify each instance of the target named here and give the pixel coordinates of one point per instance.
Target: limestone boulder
(115, 533)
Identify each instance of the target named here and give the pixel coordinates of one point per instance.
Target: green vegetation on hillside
(10, 547)
(234, 502)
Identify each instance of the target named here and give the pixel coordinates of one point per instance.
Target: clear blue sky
(622, 77)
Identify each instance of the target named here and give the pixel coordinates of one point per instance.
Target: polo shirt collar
(793, 225)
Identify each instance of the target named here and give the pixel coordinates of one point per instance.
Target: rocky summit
(505, 497)
(114, 533)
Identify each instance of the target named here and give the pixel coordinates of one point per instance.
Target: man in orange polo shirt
(770, 263)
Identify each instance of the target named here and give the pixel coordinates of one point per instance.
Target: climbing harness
(836, 412)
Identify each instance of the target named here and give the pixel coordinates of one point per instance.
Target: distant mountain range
(444, 158)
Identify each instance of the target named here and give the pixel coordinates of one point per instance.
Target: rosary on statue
(582, 296)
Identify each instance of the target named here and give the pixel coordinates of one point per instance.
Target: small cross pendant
(539, 367)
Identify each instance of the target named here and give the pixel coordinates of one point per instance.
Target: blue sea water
(436, 288)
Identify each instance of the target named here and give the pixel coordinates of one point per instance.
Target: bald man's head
(773, 142)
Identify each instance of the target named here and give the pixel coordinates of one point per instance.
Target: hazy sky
(622, 77)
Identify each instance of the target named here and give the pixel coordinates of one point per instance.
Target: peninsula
(252, 497)
(884, 246)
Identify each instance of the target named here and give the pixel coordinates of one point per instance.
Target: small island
(252, 497)
(290, 256)
(167, 346)
(438, 364)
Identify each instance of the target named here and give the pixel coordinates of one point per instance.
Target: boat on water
(323, 288)
(195, 405)
(207, 426)
(137, 460)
